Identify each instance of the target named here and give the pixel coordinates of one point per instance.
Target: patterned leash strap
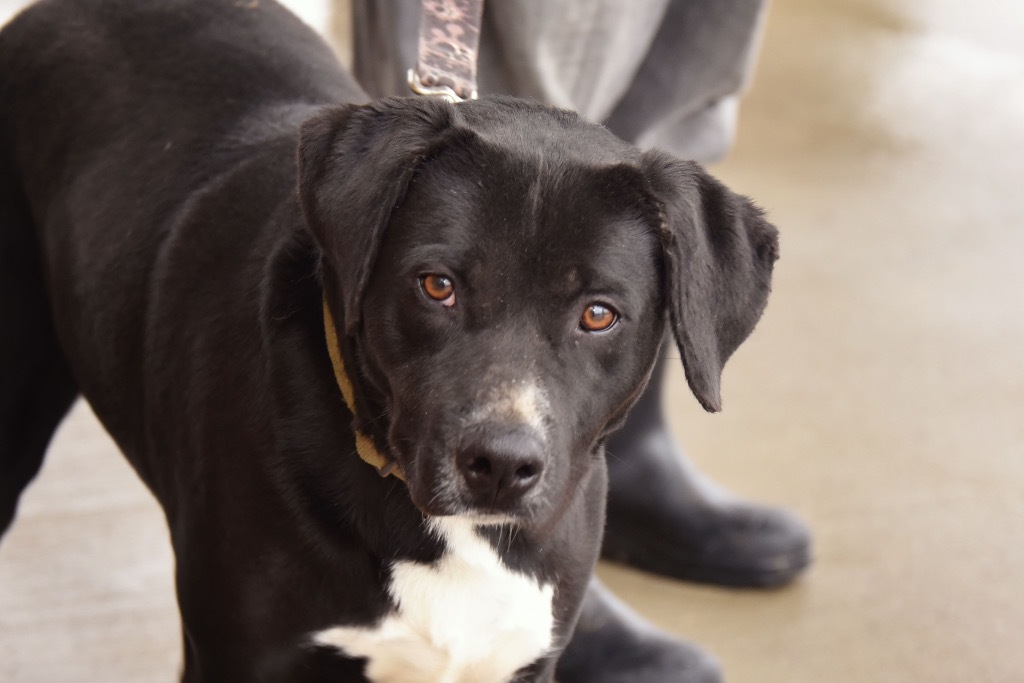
(449, 39)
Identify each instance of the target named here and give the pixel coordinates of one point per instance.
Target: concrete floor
(882, 396)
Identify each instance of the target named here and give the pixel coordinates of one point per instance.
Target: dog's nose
(500, 465)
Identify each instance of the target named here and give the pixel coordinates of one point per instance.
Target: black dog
(486, 284)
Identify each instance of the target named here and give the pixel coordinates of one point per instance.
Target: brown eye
(439, 288)
(598, 318)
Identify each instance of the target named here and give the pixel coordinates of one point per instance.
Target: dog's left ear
(355, 163)
(719, 252)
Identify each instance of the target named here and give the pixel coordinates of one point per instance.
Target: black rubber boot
(614, 645)
(665, 517)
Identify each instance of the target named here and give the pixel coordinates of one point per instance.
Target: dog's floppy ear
(719, 252)
(354, 165)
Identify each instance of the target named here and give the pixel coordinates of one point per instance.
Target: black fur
(158, 258)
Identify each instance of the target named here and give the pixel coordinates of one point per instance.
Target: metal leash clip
(436, 90)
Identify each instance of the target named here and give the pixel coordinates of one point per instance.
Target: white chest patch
(465, 619)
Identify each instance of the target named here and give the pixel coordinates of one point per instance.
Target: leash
(446, 67)
(449, 40)
(364, 445)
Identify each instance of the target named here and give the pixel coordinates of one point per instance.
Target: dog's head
(502, 272)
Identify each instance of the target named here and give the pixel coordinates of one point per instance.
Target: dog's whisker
(377, 419)
(609, 454)
(512, 532)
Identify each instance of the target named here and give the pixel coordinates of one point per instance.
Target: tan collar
(364, 444)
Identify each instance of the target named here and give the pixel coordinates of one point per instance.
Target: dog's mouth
(452, 499)
(489, 520)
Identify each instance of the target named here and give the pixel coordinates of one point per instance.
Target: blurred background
(881, 397)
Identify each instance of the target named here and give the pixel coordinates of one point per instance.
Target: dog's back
(147, 188)
(163, 103)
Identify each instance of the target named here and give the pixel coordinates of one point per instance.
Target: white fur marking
(531, 404)
(522, 401)
(465, 619)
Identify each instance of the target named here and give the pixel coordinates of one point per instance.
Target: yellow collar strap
(364, 445)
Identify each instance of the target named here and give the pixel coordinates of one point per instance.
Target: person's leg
(385, 42)
(684, 96)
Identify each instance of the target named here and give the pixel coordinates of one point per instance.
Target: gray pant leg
(663, 73)
(385, 37)
(685, 96)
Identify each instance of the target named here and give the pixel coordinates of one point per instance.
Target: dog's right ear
(354, 165)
